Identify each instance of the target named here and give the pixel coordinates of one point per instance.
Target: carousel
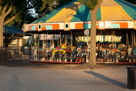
(62, 36)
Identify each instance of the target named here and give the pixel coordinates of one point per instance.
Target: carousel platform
(125, 63)
(78, 61)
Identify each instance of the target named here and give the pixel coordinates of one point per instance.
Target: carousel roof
(112, 14)
(110, 10)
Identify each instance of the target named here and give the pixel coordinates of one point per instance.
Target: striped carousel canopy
(112, 14)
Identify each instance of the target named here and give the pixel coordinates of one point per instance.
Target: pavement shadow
(14, 84)
(115, 82)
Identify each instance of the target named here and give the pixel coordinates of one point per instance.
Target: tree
(9, 13)
(132, 1)
(49, 5)
(15, 12)
(93, 6)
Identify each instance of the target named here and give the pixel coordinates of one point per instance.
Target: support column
(66, 44)
(21, 44)
(127, 40)
(39, 40)
(43, 46)
(17, 41)
(57, 41)
(47, 45)
(71, 45)
(53, 39)
(66, 39)
(60, 46)
(60, 39)
(132, 38)
(76, 39)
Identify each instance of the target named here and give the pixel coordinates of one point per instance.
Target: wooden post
(76, 40)
(57, 42)
(47, 45)
(87, 60)
(134, 60)
(38, 40)
(34, 41)
(106, 35)
(17, 41)
(71, 45)
(46, 39)
(101, 43)
(60, 39)
(43, 41)
(114, 39)
(71, 39)
(60, 45)
(66, 39)
(101, 37)
(127, 41)
(66, 43)
(114, 36)
(31, 47)
(132, 38)
(53, 40)
(50, 42)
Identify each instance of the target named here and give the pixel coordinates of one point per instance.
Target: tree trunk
(93, 33)
(93, 38)
(1, 32)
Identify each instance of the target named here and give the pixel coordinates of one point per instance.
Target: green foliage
(49, 5)
(44, 2)
(20, 10)
(63, 2)
(18, 6)
(132, 1)
(89, 3)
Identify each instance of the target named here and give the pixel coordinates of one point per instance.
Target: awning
(12, 30)
(112, 14)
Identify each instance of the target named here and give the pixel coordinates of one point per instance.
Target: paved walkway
(63, 79)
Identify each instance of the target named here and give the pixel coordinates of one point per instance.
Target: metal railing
(12, 54)
(20, 54)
